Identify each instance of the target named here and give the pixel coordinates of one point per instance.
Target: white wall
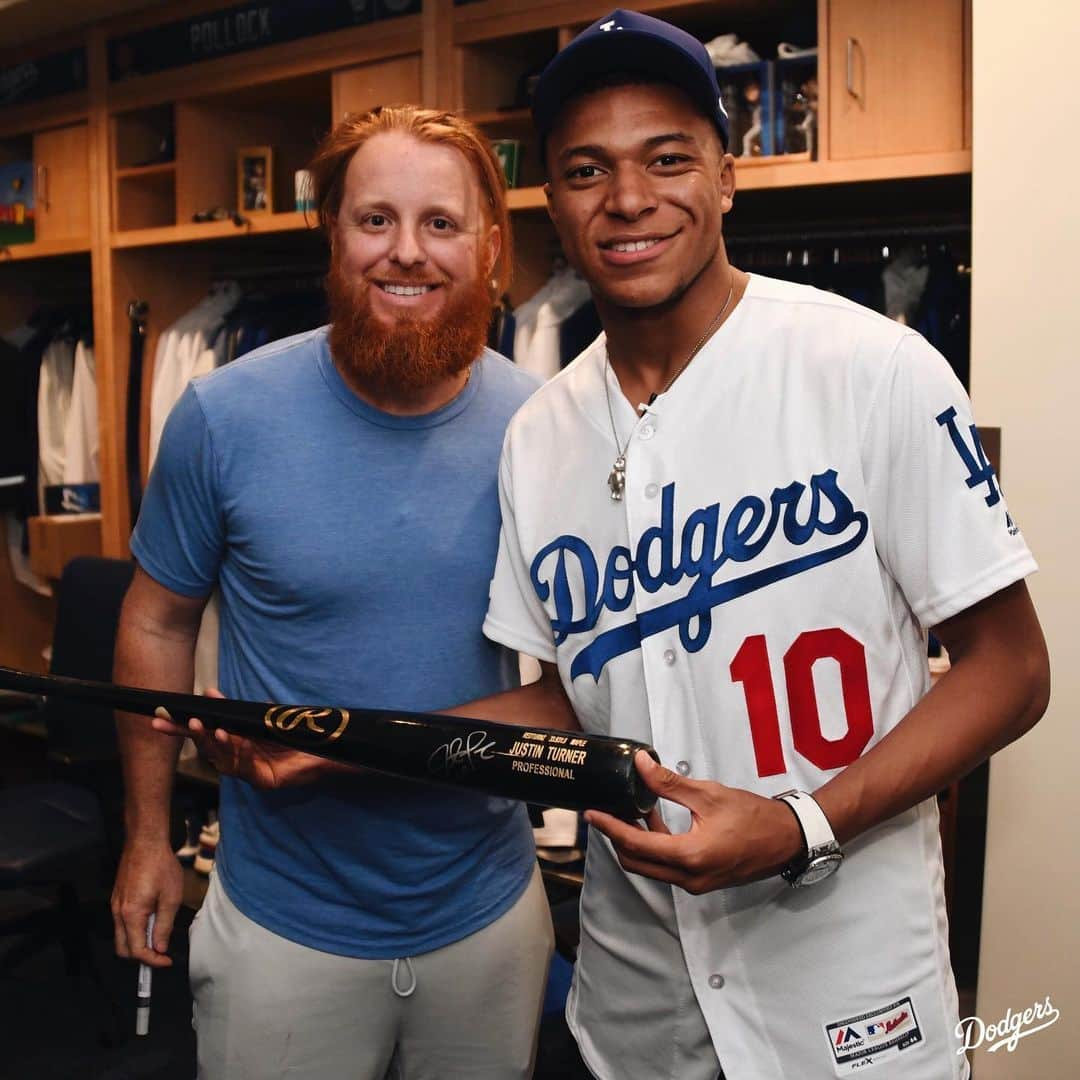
(1026, 378)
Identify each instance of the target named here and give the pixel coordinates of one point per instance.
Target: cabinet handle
(42, 194)
(851, 46)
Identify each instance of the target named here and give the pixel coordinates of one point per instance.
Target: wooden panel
(110, 363)
(490, 73)
(63, 207)
(38, 115)
(206, 142)
(26, 627)
(66, 245)
(56, 540)
(823, 69)
(192, 233)
(760, 174)
(146, 201)
(384, 82)
(437, 85)
(536, 247)
(498, 18)
(968, 74)
(906, 73)
(209, 132)
(21, 25)
(323, 53)
(138, 135)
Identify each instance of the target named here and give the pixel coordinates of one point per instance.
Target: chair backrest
(87, 614)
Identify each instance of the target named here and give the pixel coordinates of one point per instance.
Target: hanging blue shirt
(353, 550)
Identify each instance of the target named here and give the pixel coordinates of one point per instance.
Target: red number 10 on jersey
(751, 668)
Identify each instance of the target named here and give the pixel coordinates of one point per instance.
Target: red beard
(410, 355)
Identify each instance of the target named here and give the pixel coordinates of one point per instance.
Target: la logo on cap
(610, 24)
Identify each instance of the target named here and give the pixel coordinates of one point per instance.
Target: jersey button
(716, 982)
(647, 431)
(651, 491)
(669, 657)
(682, 768)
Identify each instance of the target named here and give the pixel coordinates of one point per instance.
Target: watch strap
(816, 830)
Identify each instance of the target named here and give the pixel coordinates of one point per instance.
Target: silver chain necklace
(617, 477)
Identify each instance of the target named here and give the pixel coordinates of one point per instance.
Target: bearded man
(339, 488)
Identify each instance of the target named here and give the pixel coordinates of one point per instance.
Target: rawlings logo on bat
(290, 717)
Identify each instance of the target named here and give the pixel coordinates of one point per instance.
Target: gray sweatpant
(266, 1007)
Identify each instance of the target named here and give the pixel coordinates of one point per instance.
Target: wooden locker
(896, 77)
(61, 183)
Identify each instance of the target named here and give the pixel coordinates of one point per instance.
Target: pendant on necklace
(617, 479)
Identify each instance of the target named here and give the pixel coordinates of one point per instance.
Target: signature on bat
(461, 754)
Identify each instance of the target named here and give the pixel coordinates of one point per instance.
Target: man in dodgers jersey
(730, 523)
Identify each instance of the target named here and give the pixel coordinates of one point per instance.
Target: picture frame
(255, 180)
(17, 211)
(508, 151)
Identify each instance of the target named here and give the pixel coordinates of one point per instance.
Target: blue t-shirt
(353, 550)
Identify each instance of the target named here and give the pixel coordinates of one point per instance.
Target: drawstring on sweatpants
(403, 993)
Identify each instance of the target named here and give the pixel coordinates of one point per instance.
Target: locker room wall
(1026, 378)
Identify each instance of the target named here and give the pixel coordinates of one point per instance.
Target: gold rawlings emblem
(290, 717)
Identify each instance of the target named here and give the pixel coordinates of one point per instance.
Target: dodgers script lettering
(708, 542)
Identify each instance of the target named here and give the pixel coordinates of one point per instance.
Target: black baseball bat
(537, 765)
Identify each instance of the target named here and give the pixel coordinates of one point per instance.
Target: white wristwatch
(823, 855)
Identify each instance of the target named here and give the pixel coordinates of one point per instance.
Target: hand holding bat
(264, 765)
(550, 768)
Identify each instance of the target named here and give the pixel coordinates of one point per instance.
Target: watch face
(819, 869)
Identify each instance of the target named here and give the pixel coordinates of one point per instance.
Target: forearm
(538, 705)
(149, 656)
(991, 695)
(541, 704)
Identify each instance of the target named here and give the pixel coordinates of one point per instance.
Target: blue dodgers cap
(632, 42)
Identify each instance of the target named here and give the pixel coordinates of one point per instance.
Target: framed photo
(508, 151)
(255, 179)
(16, 203)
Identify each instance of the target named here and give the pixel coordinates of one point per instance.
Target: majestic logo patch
(860, 1042)
(568, 572)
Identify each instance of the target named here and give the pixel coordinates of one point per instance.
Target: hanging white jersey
(81, 426)
(54, 404)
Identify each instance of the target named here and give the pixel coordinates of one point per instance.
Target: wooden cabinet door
(896, 77)
(61, 183)
(384, 82)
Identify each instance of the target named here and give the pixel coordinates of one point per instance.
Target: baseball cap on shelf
(631, 42)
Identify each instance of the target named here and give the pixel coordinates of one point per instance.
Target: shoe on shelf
(208, 842)
(186, 854)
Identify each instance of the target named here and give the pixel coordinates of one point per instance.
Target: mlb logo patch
(863, 1041)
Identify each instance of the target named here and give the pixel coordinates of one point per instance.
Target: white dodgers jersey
(805, 501)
